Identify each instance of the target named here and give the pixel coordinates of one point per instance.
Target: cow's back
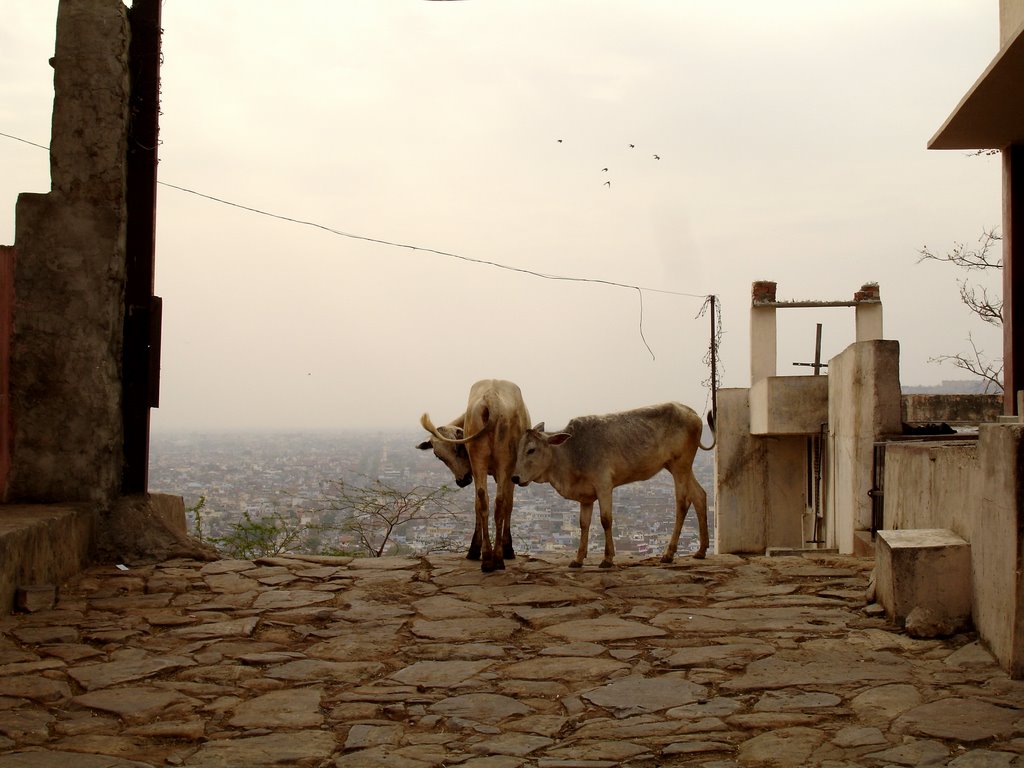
(632, 445)
(500, 404)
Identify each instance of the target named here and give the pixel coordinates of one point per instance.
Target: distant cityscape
(286, 475)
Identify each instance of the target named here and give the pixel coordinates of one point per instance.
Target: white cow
(595, 454)
(495, 419)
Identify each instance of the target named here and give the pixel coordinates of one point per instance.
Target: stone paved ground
(422, 662)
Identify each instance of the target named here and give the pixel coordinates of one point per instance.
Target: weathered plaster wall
(759, 482)
(973, 489)
(740, 477)
(67, 333)
(955, 409)
(788, 405)
(864, 398)
(928, 484)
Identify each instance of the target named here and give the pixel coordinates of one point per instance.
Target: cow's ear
(425, 445)
(558, 438)
(539, 427)
(459, 434)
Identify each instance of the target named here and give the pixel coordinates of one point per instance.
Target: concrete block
(788, 405)
(924, 570)
(35, 597)
(863, 544)
(42, 544)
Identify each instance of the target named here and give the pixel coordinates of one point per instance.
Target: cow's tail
(429, 426)
(714, 436)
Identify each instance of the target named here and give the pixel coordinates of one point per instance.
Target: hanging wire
(483, 262)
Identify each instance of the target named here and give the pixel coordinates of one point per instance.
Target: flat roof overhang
(991, 114)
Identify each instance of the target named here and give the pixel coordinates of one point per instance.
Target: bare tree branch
(375, 511)
(977, 365)
(961, 256)
(989, 308)
(977, 299)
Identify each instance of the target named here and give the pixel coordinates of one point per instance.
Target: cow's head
(454, 455)
(535, 454)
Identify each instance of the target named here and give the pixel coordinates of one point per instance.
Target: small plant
(269, 536)
(197, 517)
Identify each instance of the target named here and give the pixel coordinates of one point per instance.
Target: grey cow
(595, 454)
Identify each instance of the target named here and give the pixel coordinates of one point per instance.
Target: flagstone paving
(426, 662)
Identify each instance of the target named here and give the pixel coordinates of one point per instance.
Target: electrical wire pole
(714, 360)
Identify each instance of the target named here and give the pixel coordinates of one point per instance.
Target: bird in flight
(632, 146)
(608, 184)
(603, 170)
(657, 157)
(559, 141)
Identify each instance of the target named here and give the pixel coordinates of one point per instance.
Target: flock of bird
(608, 183)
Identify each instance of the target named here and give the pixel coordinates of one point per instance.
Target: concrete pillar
(741, 504)
(759, 488)
(864, 404)
(763, 333)
(66, 344)
(996, 542)
(868, 313)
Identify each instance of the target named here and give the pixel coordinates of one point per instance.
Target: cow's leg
(502, 518)
(506, 547)
(504, 494)
(586, 512)
(604, 501)
(682, 505)
(474, 545)
(482, 507)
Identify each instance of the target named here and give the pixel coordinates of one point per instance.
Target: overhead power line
(408, 246)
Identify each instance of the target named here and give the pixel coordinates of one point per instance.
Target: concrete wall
(952, 409)
(66, 342)
(973, 489)
(788, 405)
(864, 397)
(740, 502)
(759, 498)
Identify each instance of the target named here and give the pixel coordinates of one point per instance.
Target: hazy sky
(791, 137)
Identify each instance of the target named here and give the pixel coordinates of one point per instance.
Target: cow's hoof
(698, 555)
(508, 553)
(487, 566)
(575, 564)
(606, 564)
(473, 555)
(667, 558)
(499, 565)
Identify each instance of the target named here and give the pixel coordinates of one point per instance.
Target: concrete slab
(926, 569)
(42, 544)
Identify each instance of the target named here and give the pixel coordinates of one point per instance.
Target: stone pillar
(868, 313)
(763, 333)
(66, 343)
(864, 405)
(741, 469)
